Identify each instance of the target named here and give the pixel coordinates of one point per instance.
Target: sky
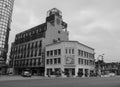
(95, 23)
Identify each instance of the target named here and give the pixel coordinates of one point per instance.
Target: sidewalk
(9, 78)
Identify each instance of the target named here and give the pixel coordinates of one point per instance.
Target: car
(110, 75)
(26, 74)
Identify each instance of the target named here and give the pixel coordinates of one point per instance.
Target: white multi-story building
(69, 58)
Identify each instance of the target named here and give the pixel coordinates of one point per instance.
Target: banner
(70, 59)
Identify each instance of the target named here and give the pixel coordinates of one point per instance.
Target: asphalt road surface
(64, 82)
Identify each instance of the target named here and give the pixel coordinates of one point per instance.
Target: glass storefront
(69, 72)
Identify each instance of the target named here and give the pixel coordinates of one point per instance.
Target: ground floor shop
(32, 70)
(69, 72)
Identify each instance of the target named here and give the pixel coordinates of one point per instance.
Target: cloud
(93, 22)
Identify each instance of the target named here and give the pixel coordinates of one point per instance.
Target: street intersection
(61, 82)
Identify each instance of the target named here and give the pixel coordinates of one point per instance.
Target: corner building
(6, 8)
(28, 49)
(69, 58)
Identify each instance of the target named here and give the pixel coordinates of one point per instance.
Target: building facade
(113, 67)
(103, 68)
(6, 8)
(69, 58)
(28, 49)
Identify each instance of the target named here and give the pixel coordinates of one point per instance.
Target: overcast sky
(95, 23)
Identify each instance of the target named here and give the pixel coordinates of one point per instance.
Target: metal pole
(13, 66)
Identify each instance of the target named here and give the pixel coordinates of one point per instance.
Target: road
(64, 82)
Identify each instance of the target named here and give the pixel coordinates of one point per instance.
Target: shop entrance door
(69, 72)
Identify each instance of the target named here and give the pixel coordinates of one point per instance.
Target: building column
(62, 74)
(53, 70)
(46, 72)
(88, 72)
(83, 72)
(76, 72)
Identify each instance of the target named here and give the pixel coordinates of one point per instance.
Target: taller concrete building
(28, 49)
(6, 8)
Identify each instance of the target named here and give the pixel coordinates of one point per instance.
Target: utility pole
(100, 64)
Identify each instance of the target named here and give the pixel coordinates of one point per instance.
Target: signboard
(70, 59)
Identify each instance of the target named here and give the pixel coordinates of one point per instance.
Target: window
(32, 46)
(35, 52)
(34, 62)
(28, 46)
(87, 54)
(51, 61)
(55, 52)
(69, 51)
(72, 51)
(51, 53)
(47, 61)
(39, 52)
(85, 61)
(55, 61)
(39, 61)
(78, 52)
(27, 63)
(59, 32)
(81, 53)
(78, 60)
(82, 61)
(40, 44)
(84, 54)
(31, 53)
(28, 53)
(66, 50)
(36, 44)
(31, 62)
(59, 51)
(59, 60)
(92, 55)
(48, 53)
(25, 47)
(58, 39)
